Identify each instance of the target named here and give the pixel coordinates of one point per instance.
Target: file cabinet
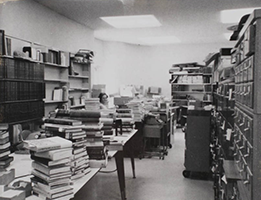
(247, 115)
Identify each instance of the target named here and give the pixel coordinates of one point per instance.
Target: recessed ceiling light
(159, 40)
(132, 21)
(234, 15)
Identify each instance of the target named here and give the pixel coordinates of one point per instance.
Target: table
(118, 154)
(115, 149)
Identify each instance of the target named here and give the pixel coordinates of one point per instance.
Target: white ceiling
(192, 21)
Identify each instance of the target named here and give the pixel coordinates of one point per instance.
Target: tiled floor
(156, 179)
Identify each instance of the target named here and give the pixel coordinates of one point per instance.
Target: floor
(155, 179)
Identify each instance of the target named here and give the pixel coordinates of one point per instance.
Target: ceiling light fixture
(234, 15)
(159, 40)
(132, 21)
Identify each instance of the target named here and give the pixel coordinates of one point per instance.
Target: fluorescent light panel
(132, 21)
(159, 40)
(234, 15)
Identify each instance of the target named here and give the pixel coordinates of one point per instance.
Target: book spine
(57, 121)
(8, 50)
(2, 42)
(2, 90)
(2, 68)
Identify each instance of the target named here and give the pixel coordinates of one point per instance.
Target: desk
(22, 166)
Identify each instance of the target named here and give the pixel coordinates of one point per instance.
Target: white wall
(148, 66)
(31, 21)
(114, 63)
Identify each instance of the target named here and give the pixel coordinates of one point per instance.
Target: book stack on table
(127, 118)
(72, 130)
(137, 109)
(93, 128)
(51, 167)
(92, 104)
(95, 146)
(107, 118)
(5, 159)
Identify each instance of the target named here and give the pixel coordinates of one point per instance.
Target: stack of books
(107, 118)
(92, 126)
(127, 118)
(92, 104)
(71, 129)
(95, 146)
(51, 167)
(137, 109)
(150, 105)
(5, 158)
(80, 164)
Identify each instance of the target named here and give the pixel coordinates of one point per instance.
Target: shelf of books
(22, 89)
(80, 82)
(190, 81)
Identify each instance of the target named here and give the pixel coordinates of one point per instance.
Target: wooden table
(22, 166)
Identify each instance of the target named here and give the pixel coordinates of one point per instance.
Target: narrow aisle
(156, 179)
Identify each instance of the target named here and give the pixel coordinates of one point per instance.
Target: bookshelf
(190, 81)
(79, 83)
(22, 90)
(54, 64)
(56, 78)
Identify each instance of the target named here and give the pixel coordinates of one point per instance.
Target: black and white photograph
(130, 100)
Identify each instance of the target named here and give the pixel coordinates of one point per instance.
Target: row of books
(20, 111)
(51, 167)
(42, 54)
(5, 158)
(16, 90)
(15, 68)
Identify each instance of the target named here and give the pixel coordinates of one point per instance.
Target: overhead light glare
(132, 21)
(234, 15)
(227, 35)
(159, 40)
